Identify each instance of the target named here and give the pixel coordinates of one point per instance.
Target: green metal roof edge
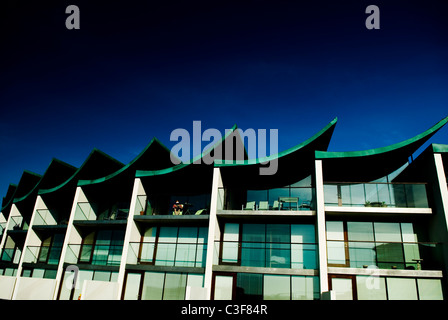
(12, 197)
(126, 167)
(16, 200)
(381, 150)
(145, 173)
(223, 163)
(46, 191)
(440, 148)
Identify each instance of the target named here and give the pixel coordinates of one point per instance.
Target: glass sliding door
(343, 287)
(223, 287)
(132, 289)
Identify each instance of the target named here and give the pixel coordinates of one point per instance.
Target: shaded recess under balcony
(109, 196)
(27, 182)
(372, 164)
(289, 188)
(382, 177)
(59, 200)
(188, 183)
(56, 173)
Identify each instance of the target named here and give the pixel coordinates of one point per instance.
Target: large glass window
(252, 286)
(269, 245)
(223, 287)
(174, 246)
(161, 285)
(230, 243)
(277, 287)
(386, 288)
(249, 286)
(401, 289)
(382, 244)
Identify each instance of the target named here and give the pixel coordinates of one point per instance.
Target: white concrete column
(31, 239)
(70, 235)
(321, 236)
(131, 232)
(441, 178)
(213, 230)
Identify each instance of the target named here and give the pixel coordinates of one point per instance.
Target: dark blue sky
(139, 69)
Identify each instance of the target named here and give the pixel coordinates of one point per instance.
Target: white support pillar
(31, 238)
(213, 230)
(131, 231)
(442, 185)
(321, 236)
(69, 236)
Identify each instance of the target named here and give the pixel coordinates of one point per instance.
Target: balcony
(278, 199)
(163, 204)
(45, 217)
(86, 211)
(11, 255)
(17, 223)
(42, 254)
(269, 255)
(178, 254)
(390, 195)
(101, 255)
(384, 255)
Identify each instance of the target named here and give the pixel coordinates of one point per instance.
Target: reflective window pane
(153, 286)
(336, 252)
(343, 288)
(303, 256)
(362, 254)
(249, 286)
(175, 285)
(360, 231)
(401, 289)
(430, 289)
(304, 288)
(303, 233)
(278, 233)
(387, 231)
(276, 287)
(223, 287)
(335, 230)
(371, 288)
(132, 286)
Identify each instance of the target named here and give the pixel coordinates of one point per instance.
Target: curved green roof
(197, 159)
(281, 169)
(412, 143)
(150, 156)
(100, 161)
(375, 163)
(7, 200)
(56, 171)
(315, 138)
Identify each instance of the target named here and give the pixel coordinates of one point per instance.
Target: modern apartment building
(366, 225)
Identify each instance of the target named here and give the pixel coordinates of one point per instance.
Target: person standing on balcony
(178, 208)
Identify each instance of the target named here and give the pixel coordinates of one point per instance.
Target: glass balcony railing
(44, 217)
(105, 255)
(11, 255)
(89, 211)
(166, 204)
(395, 195)
(168, 254)
(384, 255)
(42, 254)
(278, 199)
(269, 254)
(18, 223)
